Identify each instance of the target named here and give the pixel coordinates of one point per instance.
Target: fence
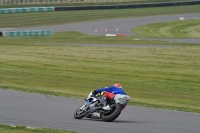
(35, 2)
(27, 33)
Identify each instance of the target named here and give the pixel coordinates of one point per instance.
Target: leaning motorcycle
(93, 108)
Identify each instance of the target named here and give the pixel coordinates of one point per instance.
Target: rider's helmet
(118, 85)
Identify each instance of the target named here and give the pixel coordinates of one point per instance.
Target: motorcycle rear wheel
(112, 114)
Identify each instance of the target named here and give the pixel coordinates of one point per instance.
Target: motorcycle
(93, 107)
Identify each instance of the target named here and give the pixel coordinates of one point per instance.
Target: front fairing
(90, 101)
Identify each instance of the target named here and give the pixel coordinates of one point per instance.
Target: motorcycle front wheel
(79, 113)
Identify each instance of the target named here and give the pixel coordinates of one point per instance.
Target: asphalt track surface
(36, 110)
(123, 25)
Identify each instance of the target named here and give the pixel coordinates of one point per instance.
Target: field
(176, 29)
(157, 77)
(22, 129)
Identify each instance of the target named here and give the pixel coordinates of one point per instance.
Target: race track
(124, 25)
(38, 110)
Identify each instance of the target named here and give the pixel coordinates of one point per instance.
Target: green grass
(62, 38)
(172, 29)
(156, 77)
(61, 17)
(23, 129)
(86, 4)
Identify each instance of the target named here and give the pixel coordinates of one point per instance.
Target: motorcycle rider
(108, 93)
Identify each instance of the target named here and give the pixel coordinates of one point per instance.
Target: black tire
(111, 116)
(79, 116)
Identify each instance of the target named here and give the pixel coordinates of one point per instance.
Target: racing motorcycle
(94, 108)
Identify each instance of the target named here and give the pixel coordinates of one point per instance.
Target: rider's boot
(105, 105)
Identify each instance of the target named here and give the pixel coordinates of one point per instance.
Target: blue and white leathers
(111, 89)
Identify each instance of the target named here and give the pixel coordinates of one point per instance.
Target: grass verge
(156, 77)
(173, 29)
(23, 129)
(61, 17)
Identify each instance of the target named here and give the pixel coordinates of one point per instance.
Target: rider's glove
(94, 92)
